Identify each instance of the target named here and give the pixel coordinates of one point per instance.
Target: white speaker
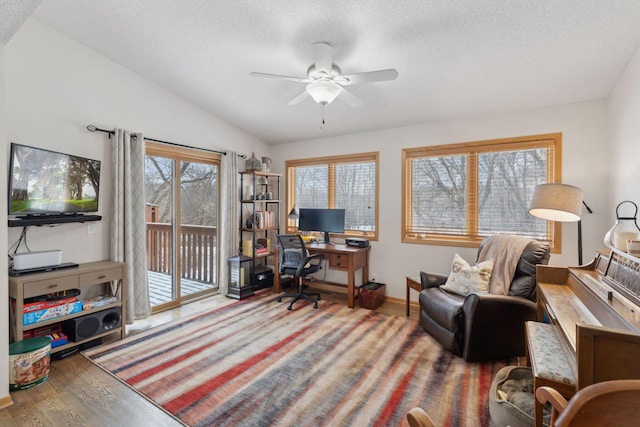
(29, 260)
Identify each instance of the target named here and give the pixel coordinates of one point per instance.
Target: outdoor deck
(160, 287)
(197, 250)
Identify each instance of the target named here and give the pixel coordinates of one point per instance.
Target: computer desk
(338, 257)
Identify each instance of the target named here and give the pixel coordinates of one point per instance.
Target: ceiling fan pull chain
(322, 112)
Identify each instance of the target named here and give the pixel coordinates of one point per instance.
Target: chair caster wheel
(315, 305)
(279, 299)
(289, 308)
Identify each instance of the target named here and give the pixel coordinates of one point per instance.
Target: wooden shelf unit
(86, 276)
(263, 184)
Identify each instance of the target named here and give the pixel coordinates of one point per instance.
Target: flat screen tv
(44, 182)
(323, 220)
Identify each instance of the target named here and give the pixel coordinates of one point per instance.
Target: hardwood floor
(78, 393)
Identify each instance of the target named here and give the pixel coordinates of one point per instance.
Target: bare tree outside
(355, 192)
(199, 194)
(158, 176)
(196, 244)
(506, 181)
(439, 194)
(354, 189)
(312, 186)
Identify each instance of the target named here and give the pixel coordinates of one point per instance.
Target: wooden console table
(100, 276)
(339, 257)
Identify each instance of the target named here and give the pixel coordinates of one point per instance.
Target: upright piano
(592, 314)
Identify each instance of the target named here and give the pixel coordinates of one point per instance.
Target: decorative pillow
(465, 279)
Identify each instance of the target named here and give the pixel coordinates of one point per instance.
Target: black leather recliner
(483, 326)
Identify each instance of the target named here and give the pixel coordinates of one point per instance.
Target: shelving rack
(259, 219)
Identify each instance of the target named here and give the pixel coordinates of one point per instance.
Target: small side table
(412, 283)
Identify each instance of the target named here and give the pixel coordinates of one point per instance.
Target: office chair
(295, 261)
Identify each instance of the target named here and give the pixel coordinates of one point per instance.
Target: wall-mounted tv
(44, 182)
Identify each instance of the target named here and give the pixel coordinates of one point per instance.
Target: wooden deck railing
(197, 246)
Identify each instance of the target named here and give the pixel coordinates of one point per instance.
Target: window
(460, 193)
(347, 182)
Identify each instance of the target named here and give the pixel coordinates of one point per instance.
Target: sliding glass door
(182, 217)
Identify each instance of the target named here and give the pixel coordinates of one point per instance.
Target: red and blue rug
(255, 363)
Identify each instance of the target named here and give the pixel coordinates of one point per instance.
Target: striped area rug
(254, 363)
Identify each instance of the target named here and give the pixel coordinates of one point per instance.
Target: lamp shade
(323, 91)
(293, 213)
(556, 202)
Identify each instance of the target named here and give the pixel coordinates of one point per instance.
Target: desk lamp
(293, 213)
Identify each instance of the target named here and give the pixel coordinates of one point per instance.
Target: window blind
(460, 193)
(345, 182)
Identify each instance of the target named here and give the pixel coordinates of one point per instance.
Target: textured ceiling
(454, 58)
(12, 15)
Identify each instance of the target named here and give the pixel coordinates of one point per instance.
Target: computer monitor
(323, 220)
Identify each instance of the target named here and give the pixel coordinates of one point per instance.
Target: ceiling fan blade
(349, 98)
(323, 55)
(276, 76)
(298, 99)
(368, 77)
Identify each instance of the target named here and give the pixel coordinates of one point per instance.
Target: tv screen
(44, 182)
(323, 220)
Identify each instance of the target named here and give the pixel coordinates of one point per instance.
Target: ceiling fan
(325, 81)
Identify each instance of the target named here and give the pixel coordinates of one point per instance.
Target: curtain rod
(92, 128)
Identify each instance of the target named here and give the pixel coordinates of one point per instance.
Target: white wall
(53, 88)
(624, 137)
(4, 296)
(56, 87)
(583, 126)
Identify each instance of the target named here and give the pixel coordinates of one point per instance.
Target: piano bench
(549, 364)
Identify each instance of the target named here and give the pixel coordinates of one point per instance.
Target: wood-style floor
(78, 393)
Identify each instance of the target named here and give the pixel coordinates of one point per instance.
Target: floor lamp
(559, 202)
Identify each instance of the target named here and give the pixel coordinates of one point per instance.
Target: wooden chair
(417, 417)
(609, 403)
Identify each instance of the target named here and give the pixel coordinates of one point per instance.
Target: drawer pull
(102, 276)
(53, 285)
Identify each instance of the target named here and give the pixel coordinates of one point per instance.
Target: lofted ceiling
(455, 58)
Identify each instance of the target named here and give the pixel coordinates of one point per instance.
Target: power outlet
(91, 229)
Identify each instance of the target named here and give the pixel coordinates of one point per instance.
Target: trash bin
(371, 295)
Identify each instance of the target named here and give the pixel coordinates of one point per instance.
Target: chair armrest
(550, 395)
(432, 280)
(494, 326)
(309, 258)
(417, 417)
(307, 261)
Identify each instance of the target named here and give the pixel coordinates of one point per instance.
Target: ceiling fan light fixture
(323, 91)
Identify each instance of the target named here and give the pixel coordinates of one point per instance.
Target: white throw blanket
(505, 251)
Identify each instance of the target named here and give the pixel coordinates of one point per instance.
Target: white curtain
(228, 227)
(128, 223)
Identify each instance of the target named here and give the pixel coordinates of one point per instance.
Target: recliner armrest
(432, 280)
(494, 326)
